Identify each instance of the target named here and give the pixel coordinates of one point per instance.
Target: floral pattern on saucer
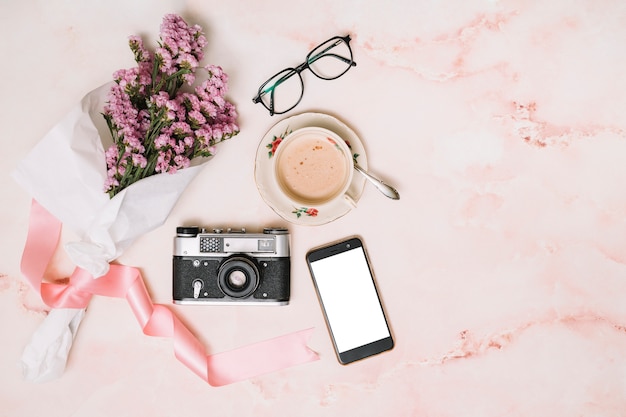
(305, 211)
(264, 169)
(276, 140)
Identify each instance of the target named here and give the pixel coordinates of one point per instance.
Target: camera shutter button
(190, 231)
(275, 231)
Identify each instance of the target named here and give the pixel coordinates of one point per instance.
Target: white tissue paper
(45, 356)
(65, 173)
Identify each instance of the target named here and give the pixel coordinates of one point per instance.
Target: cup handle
(349, 200)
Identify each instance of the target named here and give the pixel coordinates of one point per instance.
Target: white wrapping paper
(65, 173)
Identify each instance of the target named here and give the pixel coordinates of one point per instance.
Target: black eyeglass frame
(290, 72)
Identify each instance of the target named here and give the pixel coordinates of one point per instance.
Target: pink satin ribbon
(122, 281)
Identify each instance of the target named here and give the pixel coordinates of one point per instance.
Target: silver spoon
(386, 189)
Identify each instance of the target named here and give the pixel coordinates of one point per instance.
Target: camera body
(231, 267)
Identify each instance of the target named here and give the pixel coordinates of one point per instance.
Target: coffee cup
(314, 167)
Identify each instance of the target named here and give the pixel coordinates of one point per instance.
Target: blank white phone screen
(347, 290)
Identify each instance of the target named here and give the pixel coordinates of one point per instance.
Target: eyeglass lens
(284, 90)
(331, 59)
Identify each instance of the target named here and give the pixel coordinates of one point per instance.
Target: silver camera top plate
(195, 242)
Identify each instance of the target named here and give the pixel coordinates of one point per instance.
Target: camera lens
(238, 277)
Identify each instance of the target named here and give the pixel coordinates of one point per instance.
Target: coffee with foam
(312, 166)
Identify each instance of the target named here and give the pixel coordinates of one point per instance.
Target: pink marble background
(502, 267)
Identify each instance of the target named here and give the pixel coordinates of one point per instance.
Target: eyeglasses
(328, 61)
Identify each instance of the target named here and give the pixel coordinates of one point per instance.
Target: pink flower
(312, 212)
(275, 144)
(181, 128)
(189, 78)
(187, 61)
(181, 161)
(217, 132)
(111, 155)
(162, 141)
(134, 143)
(165, 61)
(196, 118)
(139, 160)
(110, 182)
(160, 99)
(189, 101)
(141, 53)
(204, 135)
(208, 109)
(163, 161)
(189, 141)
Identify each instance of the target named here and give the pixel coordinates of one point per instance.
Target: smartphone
(345, 286)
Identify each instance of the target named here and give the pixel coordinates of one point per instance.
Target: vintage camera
(231, 267)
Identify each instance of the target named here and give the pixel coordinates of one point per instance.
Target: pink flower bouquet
(161, 121)
(156, 127)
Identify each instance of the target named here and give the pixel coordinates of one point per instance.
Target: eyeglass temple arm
(339, 57)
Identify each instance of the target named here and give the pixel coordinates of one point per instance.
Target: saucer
(264, 170)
